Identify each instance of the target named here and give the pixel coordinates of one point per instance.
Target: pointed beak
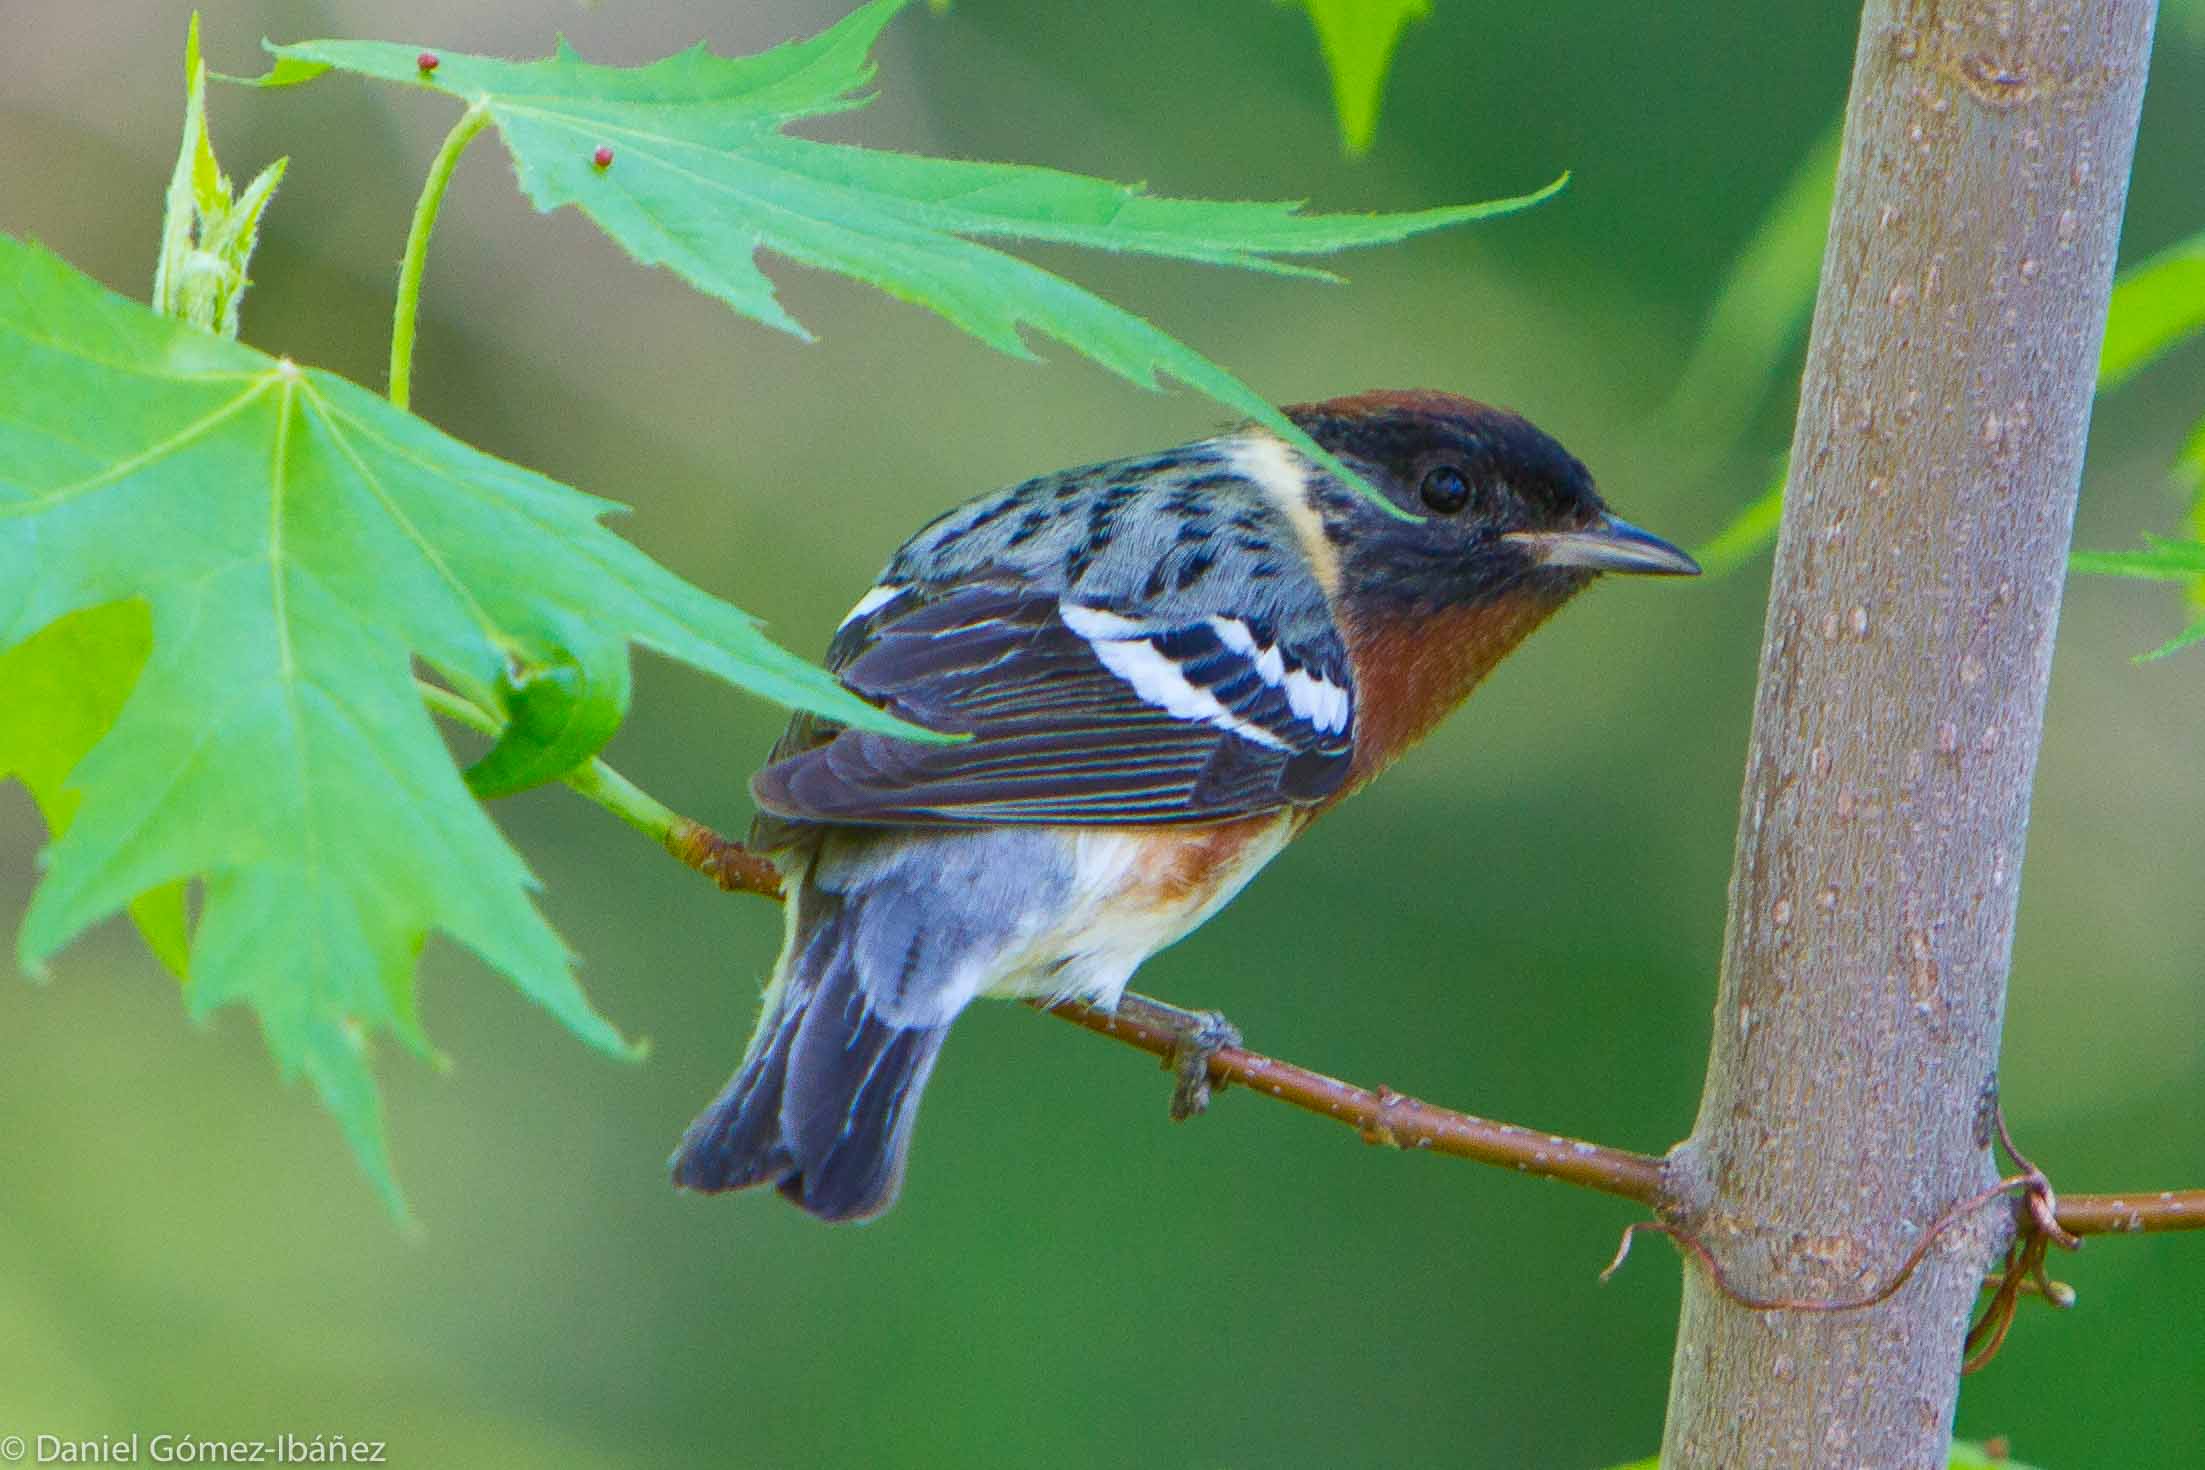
(1610, 546)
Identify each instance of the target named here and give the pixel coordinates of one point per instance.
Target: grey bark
(1903, 674)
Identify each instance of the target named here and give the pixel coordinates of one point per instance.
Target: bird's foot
(1197, 1037)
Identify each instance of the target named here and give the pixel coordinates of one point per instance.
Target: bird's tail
(823, 1105)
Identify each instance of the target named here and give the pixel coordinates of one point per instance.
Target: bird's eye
(1445, 490)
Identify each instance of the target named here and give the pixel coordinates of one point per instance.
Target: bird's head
(1498, 509)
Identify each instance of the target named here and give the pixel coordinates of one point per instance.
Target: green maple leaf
(208, 235)
(2157, 305)
(64, 686)
(700, 175)
(1762, 308)
(2165, 560)
(1358, 39)
(297, 543)
(1750, 532)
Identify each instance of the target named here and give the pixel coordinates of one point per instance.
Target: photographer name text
(194, 1449)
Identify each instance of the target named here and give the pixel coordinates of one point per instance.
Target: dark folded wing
(1077, 714)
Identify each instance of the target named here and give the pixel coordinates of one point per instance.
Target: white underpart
(1100, 939)
(1082, 940)
(872, 601)
(1122, 647)
(1315, 698)
(1275, 468)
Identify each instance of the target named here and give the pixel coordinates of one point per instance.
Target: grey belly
(935, 917)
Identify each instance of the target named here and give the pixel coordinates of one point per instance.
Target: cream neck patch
(1282, 474)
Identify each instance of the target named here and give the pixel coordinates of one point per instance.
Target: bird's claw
(1190, 1059)
(1196, 1038)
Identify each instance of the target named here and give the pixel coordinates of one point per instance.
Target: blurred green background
(1522, 920)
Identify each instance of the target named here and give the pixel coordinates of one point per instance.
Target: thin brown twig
(1396, 1120)
(736, 868)
(2024, 1261)
(1698, 1250)
(1384, 1116)
(2126, 1214)
(1387, 1116)
(2041, 1202)
(2037, 1229)
(2058, 1293)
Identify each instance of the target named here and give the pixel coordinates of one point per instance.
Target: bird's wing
(1077, 713)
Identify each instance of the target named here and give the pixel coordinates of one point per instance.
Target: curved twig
(1697, 1249)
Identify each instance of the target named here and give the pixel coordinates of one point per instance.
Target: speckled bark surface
(1902, 687)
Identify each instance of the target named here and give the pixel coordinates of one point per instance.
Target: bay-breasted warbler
(1168, 666)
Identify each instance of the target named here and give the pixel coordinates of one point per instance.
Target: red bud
(426, 61)
(602, 158)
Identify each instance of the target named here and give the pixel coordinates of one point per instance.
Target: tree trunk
(1903, 674)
